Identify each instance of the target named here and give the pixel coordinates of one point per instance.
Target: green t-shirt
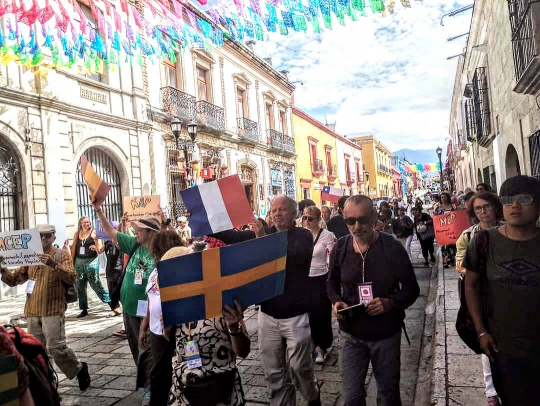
(132, 291)
(513, 293)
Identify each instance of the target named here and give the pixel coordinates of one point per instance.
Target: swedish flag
(197, 286)
(9, 383)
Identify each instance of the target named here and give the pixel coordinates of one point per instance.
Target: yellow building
(316, 162)
(377, 165)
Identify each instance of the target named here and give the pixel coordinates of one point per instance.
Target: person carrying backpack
(46, 302)
(366, 271)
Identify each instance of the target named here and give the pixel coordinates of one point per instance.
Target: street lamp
(367, 182)
(192, 128)
(176, 128)
(439, 153)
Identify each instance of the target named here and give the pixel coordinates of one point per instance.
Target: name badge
(142, 308)
(138, 278)
(30, 286)
(193, 357)
(82, 251)
(365, 292)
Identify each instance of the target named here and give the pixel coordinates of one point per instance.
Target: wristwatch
(55, 266)
(237, 329)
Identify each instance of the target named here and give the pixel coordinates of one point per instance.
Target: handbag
(429, 233)
(211, 390)
(464, 323)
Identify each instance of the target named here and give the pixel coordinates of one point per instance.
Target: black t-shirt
(513, 292)
(337, 225)
(403, 230)
(86, 243)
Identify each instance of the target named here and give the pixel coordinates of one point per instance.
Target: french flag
(217, 206)
(331, 194)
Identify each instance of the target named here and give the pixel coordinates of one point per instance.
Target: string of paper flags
(57, 34)
(414, 168)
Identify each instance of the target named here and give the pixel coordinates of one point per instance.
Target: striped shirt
(49, 295)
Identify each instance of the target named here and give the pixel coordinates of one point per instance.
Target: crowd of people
(353, 261)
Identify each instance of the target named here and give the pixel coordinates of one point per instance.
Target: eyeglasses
(351, 221)
(521, 199)
(485, 207)
(46, 235)
(307, 218)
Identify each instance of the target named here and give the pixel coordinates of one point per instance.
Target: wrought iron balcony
(332, 171)
(210, 115)
(317, 167)
(351, 178)
(359, 178)
(177, 103)
(275, 139)
(524, 23)
(384, 169)
(248, 130)
(482, 113)
(288, 145)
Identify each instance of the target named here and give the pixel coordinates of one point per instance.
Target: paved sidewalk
(113, 371)
(457, 374)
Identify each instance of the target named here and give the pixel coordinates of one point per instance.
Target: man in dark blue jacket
(373, 271)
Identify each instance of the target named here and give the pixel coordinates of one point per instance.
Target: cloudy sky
(384, 75)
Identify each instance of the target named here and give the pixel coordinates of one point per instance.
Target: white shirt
(154, 304)
(321, 253)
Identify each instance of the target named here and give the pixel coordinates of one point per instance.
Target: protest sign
(100, 233)
(19, 247)
(217, 206)
(97, 187)
(449, 226)
(137, 207)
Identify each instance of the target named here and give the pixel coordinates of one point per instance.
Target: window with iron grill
(469, 117)
(523, 43)
(177, 182)
(482, 113)
(10, 191)
(534, 153)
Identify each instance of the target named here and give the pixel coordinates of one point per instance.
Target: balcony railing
(332, 171)
(288, 145)
(359, 178)
(177, 103)
(482, 113)
(210, 115)
(317, 167)
(384, 169)
(248, 129)
(525, 23)
(275, 139)
(351, 177)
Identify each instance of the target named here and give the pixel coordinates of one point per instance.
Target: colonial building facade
(378, 164)
(495, 117)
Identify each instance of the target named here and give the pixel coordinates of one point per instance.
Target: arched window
(106, 169)
(10, 192)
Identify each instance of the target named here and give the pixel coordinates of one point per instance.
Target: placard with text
(137, 207)
(19, 247)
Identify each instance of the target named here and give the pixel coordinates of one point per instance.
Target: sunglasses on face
(521, 199)
(307, 218)
(351, 221)
(485, 207)
(45, 236)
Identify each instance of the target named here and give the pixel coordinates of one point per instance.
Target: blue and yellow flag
(197, 286)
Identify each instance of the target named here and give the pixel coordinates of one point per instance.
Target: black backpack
(464, 323)
(43, 380)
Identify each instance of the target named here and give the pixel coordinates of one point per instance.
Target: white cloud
(384, 75)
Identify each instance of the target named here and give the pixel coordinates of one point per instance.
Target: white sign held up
(19, 247)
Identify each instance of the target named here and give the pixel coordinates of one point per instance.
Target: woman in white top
(152, 331)
(320, 317)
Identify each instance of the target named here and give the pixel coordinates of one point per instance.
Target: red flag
(93, 9)
(123, 4)
(12, 8)
(107, 7)
(46, 13)
(152, 8)
(178, 9)
(62, 24)
(136, 17)
(100, 21)
(117, 21)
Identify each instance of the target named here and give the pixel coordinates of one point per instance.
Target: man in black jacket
(336, 224)
(284, 333)
(374, 270)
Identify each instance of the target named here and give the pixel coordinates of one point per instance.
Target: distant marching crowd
(352, 260)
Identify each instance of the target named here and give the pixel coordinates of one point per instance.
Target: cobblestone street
(113, 371)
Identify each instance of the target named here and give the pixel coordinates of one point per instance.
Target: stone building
(495, 117)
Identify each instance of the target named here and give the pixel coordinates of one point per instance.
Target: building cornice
(303, 115)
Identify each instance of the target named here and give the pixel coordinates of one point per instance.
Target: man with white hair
(183, 230)
(284, 333)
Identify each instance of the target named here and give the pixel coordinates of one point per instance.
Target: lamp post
(439, 153)
(192, 128)
(367, 182)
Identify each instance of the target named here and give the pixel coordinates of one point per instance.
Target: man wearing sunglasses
(46, 303)
(505, 309)
(372, 272)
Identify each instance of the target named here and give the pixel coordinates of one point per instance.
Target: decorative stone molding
(222, 79)
(258, 106)
(240, 77)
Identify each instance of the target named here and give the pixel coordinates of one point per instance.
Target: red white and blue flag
(217, 206)
(331, 194)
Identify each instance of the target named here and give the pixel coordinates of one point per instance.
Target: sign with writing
(277, 179)
(207, 173)
(93, 95)
(19, 247)
(100, 233)
(449, 226)
(137, 207)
